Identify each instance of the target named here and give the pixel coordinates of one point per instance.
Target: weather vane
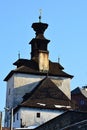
(40, 15)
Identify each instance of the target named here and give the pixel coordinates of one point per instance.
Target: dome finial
(40, 15)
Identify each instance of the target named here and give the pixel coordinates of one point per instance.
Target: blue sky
(67, 31)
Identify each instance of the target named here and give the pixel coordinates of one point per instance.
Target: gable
(46, 95)
(48, 89)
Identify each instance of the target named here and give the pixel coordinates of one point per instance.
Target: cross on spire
(40, 15)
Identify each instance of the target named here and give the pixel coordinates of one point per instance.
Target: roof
(46, 95)
(78, 90)
(31, 67)
(66, 121)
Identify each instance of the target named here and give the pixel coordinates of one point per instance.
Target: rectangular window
(82, 102)
(9, 91)
(38, 115)
(17, 116)
(14, 118)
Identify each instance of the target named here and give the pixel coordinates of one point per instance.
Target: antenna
(40, 11)
(18, 54)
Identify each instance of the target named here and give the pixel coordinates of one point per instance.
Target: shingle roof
(31, 67)
(69, 120)
(79, 91)
(46, 95)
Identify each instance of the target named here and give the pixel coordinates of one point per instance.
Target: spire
(39, 44)
(40, 15)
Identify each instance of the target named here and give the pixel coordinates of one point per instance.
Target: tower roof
(39, 43)
(31, 67)
(39, 57)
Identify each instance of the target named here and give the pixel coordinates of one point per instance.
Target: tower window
(9, 91)
(17, 116)
(14, 118)
(38, 115)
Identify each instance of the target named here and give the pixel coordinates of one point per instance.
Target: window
(9, 91)
(17, 116)
(38, 115)
(82, 102)
(14, 118)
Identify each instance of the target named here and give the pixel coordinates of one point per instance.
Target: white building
(38, 89)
